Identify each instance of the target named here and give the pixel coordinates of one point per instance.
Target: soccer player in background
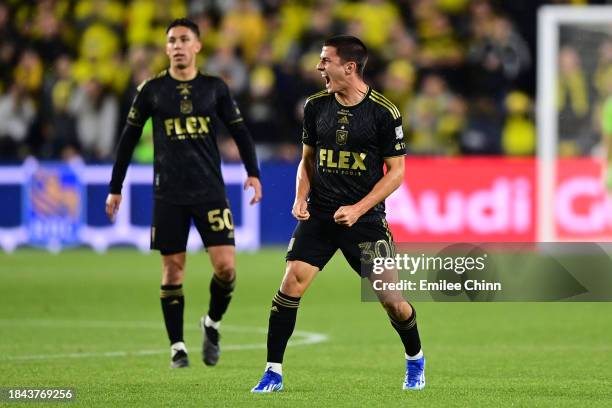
(187, 180)
(350, 132)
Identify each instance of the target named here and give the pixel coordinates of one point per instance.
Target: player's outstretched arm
(302, 183)
(231, 117)
(348, 215)
(127, 144)
(246, 147)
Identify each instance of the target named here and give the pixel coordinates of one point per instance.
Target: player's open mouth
(327, 80)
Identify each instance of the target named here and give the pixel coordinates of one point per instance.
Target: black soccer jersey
(351, 143)
(186, 157)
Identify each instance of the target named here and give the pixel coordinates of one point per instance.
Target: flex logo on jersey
(191, 126)
(341, 159)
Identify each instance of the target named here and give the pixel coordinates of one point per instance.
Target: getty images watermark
(485, 272)
(413, 264)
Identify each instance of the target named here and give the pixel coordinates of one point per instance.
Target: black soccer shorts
(171, 224)
(315, 241)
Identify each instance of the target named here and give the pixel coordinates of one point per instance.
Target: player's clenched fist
(347, 215)
(300, 210)
(112, 205)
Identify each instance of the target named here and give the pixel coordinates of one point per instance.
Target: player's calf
(173, 304)
(283, 314)
(220, 297)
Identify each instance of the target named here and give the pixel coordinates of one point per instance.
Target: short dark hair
(351, 49)
(184, 22)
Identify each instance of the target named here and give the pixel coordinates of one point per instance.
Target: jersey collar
(183, 80)
(365, 97)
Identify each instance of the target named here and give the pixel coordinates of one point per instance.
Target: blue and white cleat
(415, 374)
(270, 382)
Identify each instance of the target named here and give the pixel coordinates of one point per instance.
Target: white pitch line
(307, 337)
(115, 324)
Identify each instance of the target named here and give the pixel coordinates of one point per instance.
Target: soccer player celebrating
(187, 180)
(350, 131)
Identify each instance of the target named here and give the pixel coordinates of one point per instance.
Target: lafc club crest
(341, 137)
(186, 106)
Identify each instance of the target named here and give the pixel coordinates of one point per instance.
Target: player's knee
(298, 276)
(225, 271)
(398, 310)
(292, 285)
(173, 272)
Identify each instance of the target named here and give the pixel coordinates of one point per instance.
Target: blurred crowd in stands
(461, 71)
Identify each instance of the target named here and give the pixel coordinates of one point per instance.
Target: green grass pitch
(93, 323)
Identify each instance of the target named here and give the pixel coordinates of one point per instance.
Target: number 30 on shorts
(220, 219)
(378, 249)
